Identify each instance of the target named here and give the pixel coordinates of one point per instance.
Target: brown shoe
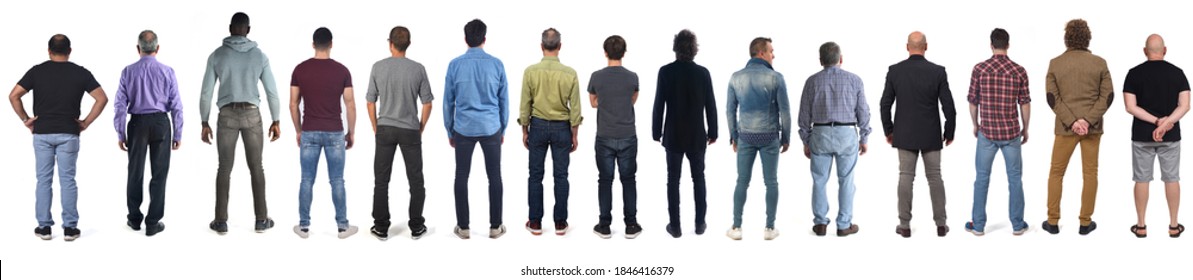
(820, 230)
(844, 232)
(942, 230)
(905, 232)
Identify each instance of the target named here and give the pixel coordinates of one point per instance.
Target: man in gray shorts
(1157, 94)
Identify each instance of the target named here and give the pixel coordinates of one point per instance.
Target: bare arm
(1133, 108)
(372, 108)
(633, 100)
(422, 122)
(1182, 107)
(17, 106)
(973, 117)
(350, 105)
(295, 115)
(101, 100)
(592, 99)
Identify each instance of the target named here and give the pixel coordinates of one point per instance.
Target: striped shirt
(833, 95)
(998, 85)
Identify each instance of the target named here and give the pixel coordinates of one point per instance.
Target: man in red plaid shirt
(998, 93)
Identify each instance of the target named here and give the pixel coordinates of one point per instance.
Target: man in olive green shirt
(550, 117)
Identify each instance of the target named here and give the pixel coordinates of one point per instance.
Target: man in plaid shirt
(995, 88)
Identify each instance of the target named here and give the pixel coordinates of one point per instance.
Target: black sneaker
(219, 227)
(1050, 228)
(700, 228)
(263, 225)
(135, 227)
(45, 233)
(418, 232)
(1083, 230)
(381, 234)
(602, 230)
(674, 231)
(154, 229)
(632, 231)
(70, 233)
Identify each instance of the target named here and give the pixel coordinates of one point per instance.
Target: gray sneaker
(494, 233)
(462, 233)
(346, 232)
(302, 232)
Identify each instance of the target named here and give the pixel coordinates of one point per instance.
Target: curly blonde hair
(1077, 34)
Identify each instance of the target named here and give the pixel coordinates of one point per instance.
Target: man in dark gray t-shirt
(613, 92)
(400, 85)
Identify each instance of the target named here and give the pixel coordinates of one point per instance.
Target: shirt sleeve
(29, 81)
(527, 103)
(424, 90)
(863, 112)
(449, 99)
(784, 112)
(731, 112)
(209, 78)
(574, 107)
(120, 106)
(805, 111)
(175, 104)
(371, 94)
(974, 88)
(271, 90)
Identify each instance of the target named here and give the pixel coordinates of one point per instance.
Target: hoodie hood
(240, 43)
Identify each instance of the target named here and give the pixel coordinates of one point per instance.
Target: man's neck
(59, 58)
(614, 62)
(919, 53)
(325, 54)
(397, 54)
(1000, 52)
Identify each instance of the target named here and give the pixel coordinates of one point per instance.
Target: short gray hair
(551, 39)
(830, 54)
(147, 40)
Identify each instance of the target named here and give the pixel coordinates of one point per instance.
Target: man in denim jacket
(764, 125)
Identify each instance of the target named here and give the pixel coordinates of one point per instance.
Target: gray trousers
(907, 161)
(239, 122)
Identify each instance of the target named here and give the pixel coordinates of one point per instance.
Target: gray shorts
(1144, 156)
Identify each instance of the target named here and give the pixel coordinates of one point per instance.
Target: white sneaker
(734, 233)
(346, 232)
(302, 232)
(494, 233)
(462, 233)
(770, 234)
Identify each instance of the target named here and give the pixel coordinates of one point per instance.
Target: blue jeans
(62, 149)
(828, 144)
(556, 136)
(746, 153)
(983, 160)
(333, 144)
(621, 154)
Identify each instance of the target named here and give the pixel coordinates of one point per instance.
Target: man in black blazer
(917, 85)
(683, 100)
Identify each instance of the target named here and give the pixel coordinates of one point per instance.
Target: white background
(872, 36)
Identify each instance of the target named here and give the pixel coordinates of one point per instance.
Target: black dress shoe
(700, 228)
(133, 226)
(154, 229)
(219, 227)
(674, 231)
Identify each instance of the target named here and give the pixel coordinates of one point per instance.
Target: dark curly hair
(685, 46)
(1077, 34)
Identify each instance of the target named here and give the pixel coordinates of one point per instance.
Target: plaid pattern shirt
(998, 86)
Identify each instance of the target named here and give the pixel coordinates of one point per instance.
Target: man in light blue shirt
(476, 110)
(834, 122)
(764, 124)
(238, 65)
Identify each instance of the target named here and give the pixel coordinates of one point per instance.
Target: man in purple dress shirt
(148, 90)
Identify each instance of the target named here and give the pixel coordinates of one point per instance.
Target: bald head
(917, 43)
(1154, 48)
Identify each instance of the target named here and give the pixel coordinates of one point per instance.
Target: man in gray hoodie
(238, 65)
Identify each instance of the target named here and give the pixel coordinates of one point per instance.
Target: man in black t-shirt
(1157, 94)
(57, 87)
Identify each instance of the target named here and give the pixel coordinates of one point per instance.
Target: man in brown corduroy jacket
(1079, 92)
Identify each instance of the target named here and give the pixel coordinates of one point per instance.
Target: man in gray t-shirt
(613, 92)
(398, 83)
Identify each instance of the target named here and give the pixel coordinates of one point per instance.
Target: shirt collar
(759, 61)
(147, 58)
(476, 50)
(551, 58)
(917, 57)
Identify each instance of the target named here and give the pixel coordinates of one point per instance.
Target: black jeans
(152, 135)
(619, 155)
(674, 171)
(491, 146)
(389, 140)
